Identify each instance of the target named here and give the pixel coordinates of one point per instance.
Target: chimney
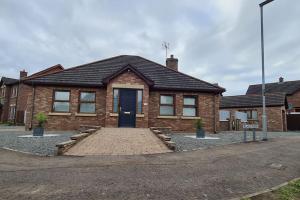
(23, 74)
(281, 79)
(172, 63)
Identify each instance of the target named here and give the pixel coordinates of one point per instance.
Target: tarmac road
(216, 173)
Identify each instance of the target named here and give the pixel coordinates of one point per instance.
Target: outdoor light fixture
(264, 116)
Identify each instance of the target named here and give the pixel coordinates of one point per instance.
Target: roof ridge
(217, 87)
(249, 95)
(275, 83)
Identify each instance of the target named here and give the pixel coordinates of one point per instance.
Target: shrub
(41, 118)
(199, 124)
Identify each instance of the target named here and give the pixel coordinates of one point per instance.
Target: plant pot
(200, 133)
(38, 131)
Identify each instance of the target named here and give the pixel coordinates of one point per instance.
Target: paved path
(119, 141)
(215, 173)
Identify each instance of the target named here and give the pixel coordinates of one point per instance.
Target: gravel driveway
(9, 138)
(184, 143)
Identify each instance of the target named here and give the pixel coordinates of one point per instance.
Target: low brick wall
(65, 146)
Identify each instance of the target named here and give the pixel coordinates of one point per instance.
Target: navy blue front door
(127, 108)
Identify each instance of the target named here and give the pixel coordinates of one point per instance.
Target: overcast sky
(217, 41)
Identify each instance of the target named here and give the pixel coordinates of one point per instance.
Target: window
(14, 92)
(251, 114)
(241, 116)
(224, 115)
(166, 105)
(61, 101)
(190, 106)
(87, 102)
(12, 112)
(116, 100)
(139, 102)
(297, 109)
(3, 88)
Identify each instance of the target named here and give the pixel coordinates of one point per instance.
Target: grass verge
(291, 191)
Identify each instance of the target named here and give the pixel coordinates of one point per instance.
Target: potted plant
(200, 133)
(39, 130)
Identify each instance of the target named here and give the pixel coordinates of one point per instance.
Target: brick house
(291, 89)
(123, 91)
(233, 107)
(14, 94)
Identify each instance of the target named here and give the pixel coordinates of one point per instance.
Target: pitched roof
(288, 87)
(244, 101)
(93, 74)
(8, 81)
(46, 71)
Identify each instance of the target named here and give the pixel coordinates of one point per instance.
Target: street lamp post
(264, 116)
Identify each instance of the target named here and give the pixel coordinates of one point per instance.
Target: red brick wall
(131, 79)
(43, 103)
(294, 100)
(23, 93)
(275, 119)
(5, 108)
(206, 108)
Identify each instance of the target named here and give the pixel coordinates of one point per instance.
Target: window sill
(140, 115)
(113, 114)
(85, 114)
(186, 117)
(167, 117)
(59, 114)
(224, 120)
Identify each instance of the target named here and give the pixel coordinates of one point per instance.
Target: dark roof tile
(94, 74)
(9, 81)
(244, 101)
(288, 87)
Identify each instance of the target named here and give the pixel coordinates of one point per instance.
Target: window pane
(189, 112)
(62, 96)
(254, 114)
(189, 101)
(166, 110)
(166, 99)
(224, 115)
(87, 108)
(115, 100)
(61, 106)
(249, 114)
(139, 101)
(87, 96)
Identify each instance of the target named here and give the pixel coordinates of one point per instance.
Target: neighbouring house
(8, 99)
(124, 91)
(234, 108)
(14, 94)
(291, 89)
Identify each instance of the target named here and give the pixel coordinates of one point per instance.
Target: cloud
(217, 41)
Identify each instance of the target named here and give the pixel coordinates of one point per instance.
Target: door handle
(127, 113)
